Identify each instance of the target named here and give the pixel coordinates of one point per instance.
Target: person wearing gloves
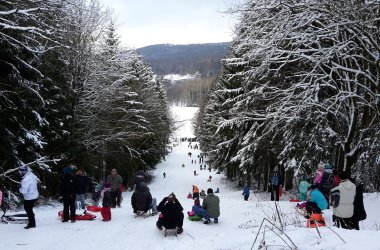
(30, 192)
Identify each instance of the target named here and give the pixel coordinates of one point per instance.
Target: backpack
(327, 180)
(275, 180)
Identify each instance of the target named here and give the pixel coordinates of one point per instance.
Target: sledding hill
(237, 228)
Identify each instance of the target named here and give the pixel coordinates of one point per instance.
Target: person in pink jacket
(319, 173)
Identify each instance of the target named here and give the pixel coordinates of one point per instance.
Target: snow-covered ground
(237, 228)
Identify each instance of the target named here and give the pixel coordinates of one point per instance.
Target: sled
(85, 216)
(140, 213)
(195, 218)
(315, 221)
(94, 208)
(166, 230)
(294, 200)
(14, 218)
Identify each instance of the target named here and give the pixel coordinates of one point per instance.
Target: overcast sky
(147, 22)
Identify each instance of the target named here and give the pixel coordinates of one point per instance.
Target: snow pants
(106, 213)
(275, 189)
(116, 198)
(68, 203)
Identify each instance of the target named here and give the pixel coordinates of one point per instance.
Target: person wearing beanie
(68, 194)
(30, 192)
(211, 204)
(303, 188)
(317, 201)
(319, 173)
(142, 200)
(343, 197)
(171, 214)
(107, 202)
(115, 180)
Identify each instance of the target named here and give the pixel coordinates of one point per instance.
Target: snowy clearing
(238, 224)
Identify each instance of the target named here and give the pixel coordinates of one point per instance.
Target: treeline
(189, 92)
(70, 93)
(300, 86)
(192, 59)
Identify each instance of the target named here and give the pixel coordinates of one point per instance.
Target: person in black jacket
(81, 182)
(171, 214)
(68, 193)
(141, 199)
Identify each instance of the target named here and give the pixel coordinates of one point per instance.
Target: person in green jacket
(211, 204)
(303, 187)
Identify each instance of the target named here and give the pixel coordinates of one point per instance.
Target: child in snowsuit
(303, 187)
(96, 194)
(246, 192)
(107, 202)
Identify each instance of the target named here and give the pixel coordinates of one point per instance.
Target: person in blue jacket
(317, 201)
(246, 192)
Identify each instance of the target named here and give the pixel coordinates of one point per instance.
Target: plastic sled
(195, 218)
(294, 200)
(86, 216)
(94, 208)
(315, 220)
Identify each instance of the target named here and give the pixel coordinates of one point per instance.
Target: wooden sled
(166, 230)
(140, 213)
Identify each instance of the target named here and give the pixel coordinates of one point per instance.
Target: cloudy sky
(147, 22)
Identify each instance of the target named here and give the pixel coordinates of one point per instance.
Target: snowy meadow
(238, 226)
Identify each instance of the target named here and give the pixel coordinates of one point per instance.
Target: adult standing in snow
(359, 211)
(303, 188)
(171, 214)
(211, 204)
(81, 182)
(275, 185)
(30, 192)
(115, 180)
(68, 193)
(317, 201)
(246, 192)
(326, 183)
(343, 201)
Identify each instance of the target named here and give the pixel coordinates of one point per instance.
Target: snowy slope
(237, 228)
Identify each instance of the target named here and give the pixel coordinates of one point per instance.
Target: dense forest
(69, 93)
(300, 86)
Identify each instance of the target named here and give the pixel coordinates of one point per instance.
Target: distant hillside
(185, 59)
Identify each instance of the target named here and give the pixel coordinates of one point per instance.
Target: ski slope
(237, 228)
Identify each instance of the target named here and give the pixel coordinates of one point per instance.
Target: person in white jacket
(342, 199)
(30, 192)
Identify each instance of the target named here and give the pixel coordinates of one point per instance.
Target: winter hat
(171, 198)
(329, 166)
(107, 185)
(313, 186)
(67, 170)
(210, 191)
(23, 170)
(345, 175)
(321, 165)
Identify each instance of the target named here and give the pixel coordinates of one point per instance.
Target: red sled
(86, 216)
(94, 208)
(294, 200)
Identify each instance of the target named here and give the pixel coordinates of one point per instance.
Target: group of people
(337, 190)
(73, 189)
